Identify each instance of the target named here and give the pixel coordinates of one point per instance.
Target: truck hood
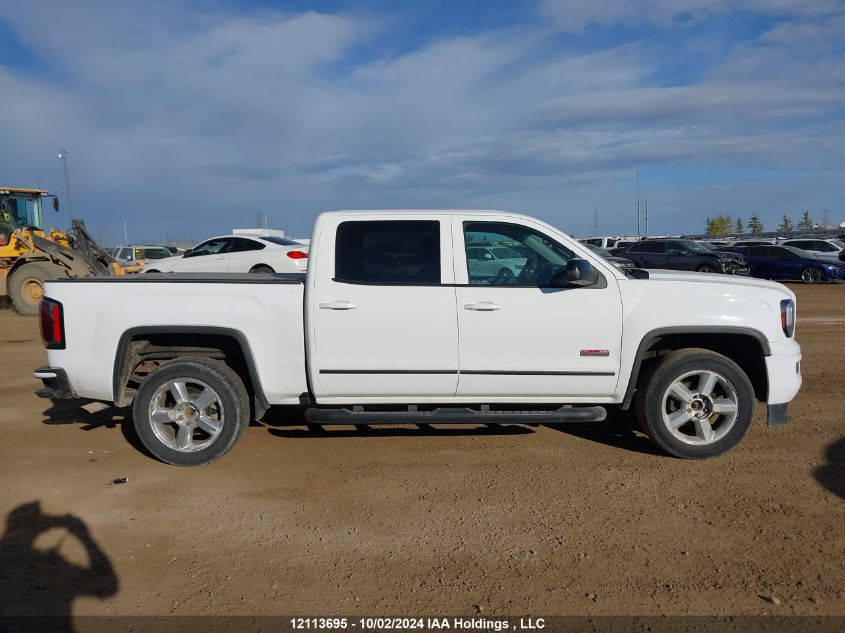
(733, 280)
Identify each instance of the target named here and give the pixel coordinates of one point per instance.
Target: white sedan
(237, 254)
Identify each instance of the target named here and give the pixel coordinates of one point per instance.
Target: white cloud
(575, 16)
(173, 116)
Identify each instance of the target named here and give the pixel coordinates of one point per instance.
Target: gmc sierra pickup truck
(394, 323)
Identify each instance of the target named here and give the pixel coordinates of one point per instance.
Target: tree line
(722, 224)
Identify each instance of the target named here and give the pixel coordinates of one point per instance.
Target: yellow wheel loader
(31, 254)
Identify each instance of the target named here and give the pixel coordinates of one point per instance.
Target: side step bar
(453, 415)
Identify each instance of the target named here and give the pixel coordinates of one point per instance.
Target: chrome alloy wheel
(700, 407)
(186, 414)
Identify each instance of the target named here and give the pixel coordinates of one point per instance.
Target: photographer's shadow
(36, 578)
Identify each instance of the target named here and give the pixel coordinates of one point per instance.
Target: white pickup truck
(391, 325)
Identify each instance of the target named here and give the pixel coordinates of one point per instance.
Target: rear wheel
(697, 404)
(504, 277)
(811, 275)
(26, 287)
(261, 268)
(191, 412)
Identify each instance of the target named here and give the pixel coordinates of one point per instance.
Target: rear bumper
(56, 384)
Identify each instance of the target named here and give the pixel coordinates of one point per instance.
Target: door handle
(338, 305)
(482, 306)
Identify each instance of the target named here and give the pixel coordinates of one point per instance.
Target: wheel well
(141, 353)
(261, 266)
(745, 350)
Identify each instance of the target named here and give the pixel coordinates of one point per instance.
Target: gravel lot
(584, 519)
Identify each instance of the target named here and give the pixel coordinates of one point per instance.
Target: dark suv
(684, 255)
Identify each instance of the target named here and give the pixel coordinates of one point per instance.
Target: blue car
(788, 262)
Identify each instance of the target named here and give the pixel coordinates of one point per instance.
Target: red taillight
(297, 254)
(52, 324)
(4, 239)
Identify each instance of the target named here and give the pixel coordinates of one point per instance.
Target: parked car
(619, 262)
(434, 344)
(820, 248)
(622, 244)
(788, 262)
(237, 254)
(494, 262)
(135, 253)
(683, 255)
(608, 243)
(601, 242)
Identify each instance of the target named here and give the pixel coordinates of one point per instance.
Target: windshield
(281, 241)
(21, 211)
(708, 246)
(838, 244)
(152, 253)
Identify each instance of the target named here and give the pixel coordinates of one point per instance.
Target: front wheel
(696, 404)
(706, 268)
(811, 275)
(191, 412)
(504, 277)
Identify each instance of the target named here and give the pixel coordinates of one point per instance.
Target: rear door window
(388, 252)
(652, 247)
(242, 245)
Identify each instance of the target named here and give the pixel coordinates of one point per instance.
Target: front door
(207, 257)
(519, 337)
(382, 317)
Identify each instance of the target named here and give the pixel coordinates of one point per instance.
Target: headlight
(787, 317)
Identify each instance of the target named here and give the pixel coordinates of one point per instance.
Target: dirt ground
(584, 519)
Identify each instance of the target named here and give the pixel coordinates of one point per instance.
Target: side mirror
(579, 272)
(55, 204)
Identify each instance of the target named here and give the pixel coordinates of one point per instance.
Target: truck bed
(263, 311)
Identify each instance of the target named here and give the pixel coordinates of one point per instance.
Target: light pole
(63, 157)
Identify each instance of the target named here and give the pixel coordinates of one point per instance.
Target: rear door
(384, 331)
(242, 254)
(653, 254)
(521, 338)
(757, 259)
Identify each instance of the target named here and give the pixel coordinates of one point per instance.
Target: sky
(184, 118)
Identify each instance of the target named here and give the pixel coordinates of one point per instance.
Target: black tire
(811, 275)
(504, 277)
(650, 402)
(232, 396)
(26, 287)
(261, 268)
(706, 268)
(147, 272)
